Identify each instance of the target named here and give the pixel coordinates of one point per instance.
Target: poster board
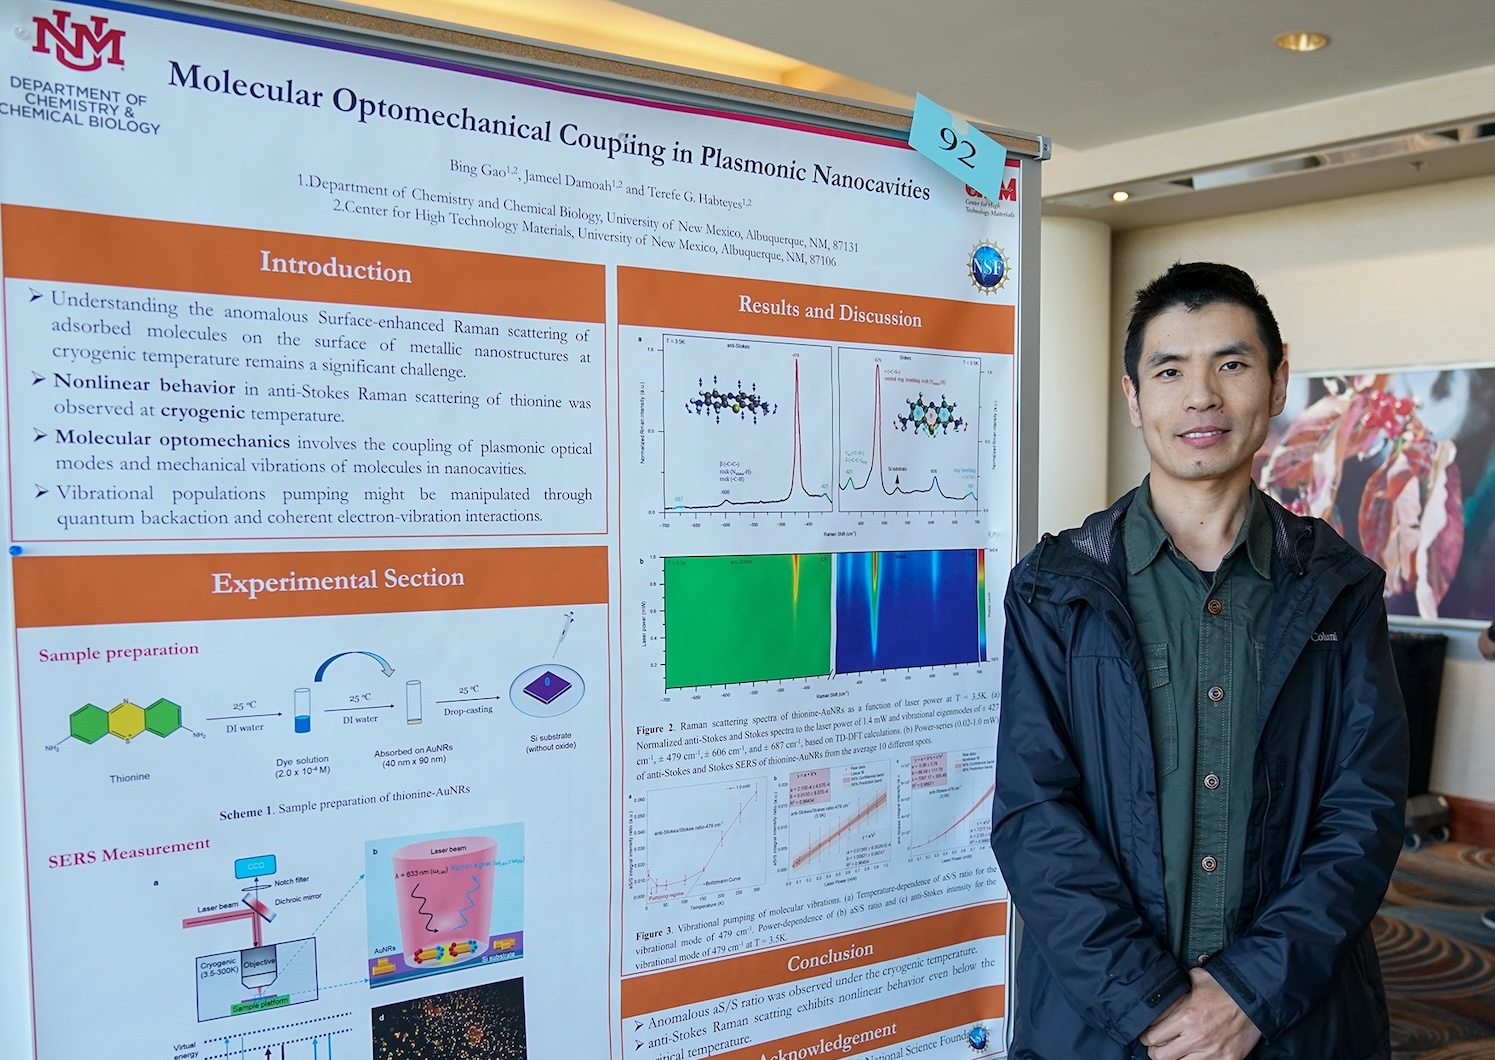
(506, 553)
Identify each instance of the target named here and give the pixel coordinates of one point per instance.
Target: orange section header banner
(865, 1033)
(67, 247)
(652, 298)
(686, 985)
(108, 590)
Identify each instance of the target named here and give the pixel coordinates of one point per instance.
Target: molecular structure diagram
(927, 417)
(90, 724)
(742, 403)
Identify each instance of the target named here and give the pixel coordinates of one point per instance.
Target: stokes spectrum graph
(909, 437)
(746, 425)
(839, 819)
(906, 609)
(702, 839)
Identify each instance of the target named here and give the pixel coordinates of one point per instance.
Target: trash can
(1419, 667)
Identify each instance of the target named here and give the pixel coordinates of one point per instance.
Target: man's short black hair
(1193, 285)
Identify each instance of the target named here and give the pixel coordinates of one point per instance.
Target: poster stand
(506, 550)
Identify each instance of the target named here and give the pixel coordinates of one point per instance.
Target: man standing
(1201, 760)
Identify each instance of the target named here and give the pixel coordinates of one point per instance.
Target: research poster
(496, 570)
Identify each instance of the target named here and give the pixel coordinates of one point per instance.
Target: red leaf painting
(1409, 518)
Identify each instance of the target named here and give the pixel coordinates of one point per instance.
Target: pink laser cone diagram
(444, 895)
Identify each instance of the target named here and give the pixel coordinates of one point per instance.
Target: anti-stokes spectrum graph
(906, 609)
(746, 425)
(734, 619)
(909, 431)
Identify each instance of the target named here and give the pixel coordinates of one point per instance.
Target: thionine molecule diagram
(929, 418)
(741, 403)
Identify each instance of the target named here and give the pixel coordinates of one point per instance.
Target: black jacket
(1075, 818)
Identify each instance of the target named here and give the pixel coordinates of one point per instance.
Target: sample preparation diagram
(545, 690)
(352, 688)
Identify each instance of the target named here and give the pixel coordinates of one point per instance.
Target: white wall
(1074, 370)
(1381, 280)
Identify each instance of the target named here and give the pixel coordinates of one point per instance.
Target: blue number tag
(954, 145)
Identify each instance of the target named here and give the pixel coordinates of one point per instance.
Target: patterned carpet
(1437, 957)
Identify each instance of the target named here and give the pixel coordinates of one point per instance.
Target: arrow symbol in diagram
(40, 491)
(388, 669)
(40, 434)
(35, 294)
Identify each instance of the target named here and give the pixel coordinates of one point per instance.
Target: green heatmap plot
(731, 619)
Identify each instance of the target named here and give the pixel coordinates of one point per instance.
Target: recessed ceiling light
(1119, 196)
(1302, 40)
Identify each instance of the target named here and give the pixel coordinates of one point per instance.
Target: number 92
(952, 142)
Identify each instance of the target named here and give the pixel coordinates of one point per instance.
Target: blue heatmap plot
(903, 609)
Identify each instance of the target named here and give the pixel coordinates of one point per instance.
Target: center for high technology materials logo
(1007, 193)
(989, 267)
(81, 46)
(1003, 204)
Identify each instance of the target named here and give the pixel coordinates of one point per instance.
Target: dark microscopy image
(476, 1023)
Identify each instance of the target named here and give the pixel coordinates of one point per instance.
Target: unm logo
(87, 46)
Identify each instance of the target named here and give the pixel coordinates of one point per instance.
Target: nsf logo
(989, 267)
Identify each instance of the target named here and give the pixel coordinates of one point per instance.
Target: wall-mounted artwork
(1402, 464)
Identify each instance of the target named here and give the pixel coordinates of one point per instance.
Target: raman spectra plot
(909, 431)
(734, 619)
(747, 425)
(902, 609)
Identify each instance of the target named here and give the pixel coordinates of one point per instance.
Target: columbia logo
(1321, 637)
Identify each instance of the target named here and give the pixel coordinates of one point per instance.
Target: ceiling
(1112, 84)
(1090, 72)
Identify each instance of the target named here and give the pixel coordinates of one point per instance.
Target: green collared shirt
(1202, 635)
